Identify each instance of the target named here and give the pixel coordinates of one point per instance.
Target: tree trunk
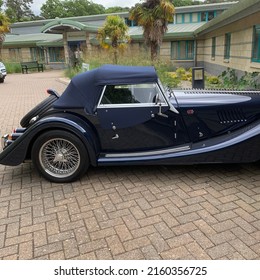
(154, 53)
(115, 56)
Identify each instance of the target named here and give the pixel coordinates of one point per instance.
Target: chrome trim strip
(130, 105)
(164, 102)
(149, 153)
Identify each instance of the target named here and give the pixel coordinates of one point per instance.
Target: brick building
(215, 36)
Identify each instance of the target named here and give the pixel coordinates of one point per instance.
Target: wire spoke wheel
(59, 157)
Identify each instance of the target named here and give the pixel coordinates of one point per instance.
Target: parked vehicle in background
(2, 72)
(123, 115)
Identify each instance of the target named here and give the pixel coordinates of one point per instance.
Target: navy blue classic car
(122, 115)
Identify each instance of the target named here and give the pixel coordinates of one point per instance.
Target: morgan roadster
(123, 115)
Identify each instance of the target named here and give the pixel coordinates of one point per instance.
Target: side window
(130, 94)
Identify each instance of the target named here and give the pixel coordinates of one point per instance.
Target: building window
(213, 47)
(130, 22)
(15, 54)
(182, 50)
(56, 54)
(37, 54)
(227, 45)
(179, 18)
(256, 44)
(194, 17)
(207, 16)
(203, 16)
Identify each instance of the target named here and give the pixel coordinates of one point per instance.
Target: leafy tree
(180, 3)
(52, 9)
(18, 10)
(113, 34)
(4, 28)
(70, 8)
(153, 16)
(116, 10)
(82, 8)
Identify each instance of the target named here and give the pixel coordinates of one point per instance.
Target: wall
(240, 52)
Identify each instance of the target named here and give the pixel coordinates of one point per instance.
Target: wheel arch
(21, 148)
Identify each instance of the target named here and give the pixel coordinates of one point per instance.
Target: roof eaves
(240, 10)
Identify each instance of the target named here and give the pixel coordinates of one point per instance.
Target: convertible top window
(130, 94)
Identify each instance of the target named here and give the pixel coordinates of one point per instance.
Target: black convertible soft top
(85, 89)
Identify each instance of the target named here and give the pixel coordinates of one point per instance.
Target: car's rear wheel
(38, 110)
(60, 156)
(2, 80)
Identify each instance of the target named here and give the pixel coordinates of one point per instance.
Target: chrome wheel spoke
(59, 157)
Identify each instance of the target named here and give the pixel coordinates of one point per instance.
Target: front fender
(17, 152)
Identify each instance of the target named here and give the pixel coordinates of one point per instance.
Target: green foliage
(18, 10)
(114, 34)
(181, 3)
(153, 16)
(70, 8)
(212, 80)
(183, 74)
(72, 71)
(12, 67)
(127, 57)
(229, 79)
(116, 10)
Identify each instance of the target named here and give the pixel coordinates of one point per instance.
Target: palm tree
(4, 28)
(114, 34)
(153, 16)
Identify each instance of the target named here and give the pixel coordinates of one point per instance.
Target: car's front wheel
(60, 156)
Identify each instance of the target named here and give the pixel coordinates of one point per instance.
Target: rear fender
(17, 152)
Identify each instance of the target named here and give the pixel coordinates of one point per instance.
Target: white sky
(36, 6)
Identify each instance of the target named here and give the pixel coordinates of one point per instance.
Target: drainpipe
(195, 62)
(66, 48)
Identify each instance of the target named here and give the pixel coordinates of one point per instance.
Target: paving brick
(201, 239)
(48, 249)
(158, 242)
(115, 245)
(243, 249)
(8, 250)
(244, 225)
(132, 255)
(136, 243)
(26, 250)
(18, 239)
(198, 253)
(220, 251)
(180, 253)
(150, 253)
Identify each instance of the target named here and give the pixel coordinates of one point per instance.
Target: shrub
(229, 79)
(213, 80)
(99, 57)
(13, 67)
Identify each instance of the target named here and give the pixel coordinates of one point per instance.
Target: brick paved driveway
(194, 212)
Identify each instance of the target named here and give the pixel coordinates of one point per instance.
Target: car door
(137, 118)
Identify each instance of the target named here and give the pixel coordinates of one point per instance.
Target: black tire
(60, 156)
(38, 110)
(2, 80)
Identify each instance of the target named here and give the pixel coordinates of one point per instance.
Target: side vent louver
(231, 116)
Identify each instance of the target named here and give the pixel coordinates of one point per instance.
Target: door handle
(115, 137)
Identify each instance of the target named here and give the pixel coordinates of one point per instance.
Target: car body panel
(20, 149)
(165, 126)
(3, 72)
